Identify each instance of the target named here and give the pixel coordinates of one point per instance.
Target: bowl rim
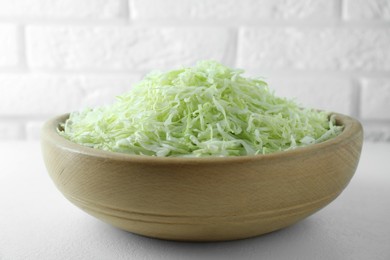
(352, 129)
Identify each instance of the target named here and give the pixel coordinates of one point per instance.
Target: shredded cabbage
(205, 110)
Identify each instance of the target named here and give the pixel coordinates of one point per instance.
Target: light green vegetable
(205, 110)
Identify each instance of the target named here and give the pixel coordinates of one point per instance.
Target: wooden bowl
(202, 199)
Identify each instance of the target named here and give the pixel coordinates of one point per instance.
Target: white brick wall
(57, 56)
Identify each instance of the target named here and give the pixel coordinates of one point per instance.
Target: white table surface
(37, 222)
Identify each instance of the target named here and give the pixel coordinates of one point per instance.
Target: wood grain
(203, 199)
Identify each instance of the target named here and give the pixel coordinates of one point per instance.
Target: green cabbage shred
(205, 110)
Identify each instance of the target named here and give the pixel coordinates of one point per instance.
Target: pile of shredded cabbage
(205, 110)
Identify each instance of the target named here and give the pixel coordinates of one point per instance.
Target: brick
(10, 130)
(315, 49)
(123, 48)
(367, 10)
(233, 10)
(330, 94)
(32, 95)
(57, 9)
(42, 94)
(8, 46)
(375, 98)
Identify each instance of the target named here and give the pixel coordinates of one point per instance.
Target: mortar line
(128, 11)
(356, 97)
(232, 47)
(376, 122)
(238, 46)
(131, 23)
(136, 72)
(342, 8)
(35, 21)
(21, 45)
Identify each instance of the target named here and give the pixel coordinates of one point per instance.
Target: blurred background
(58, 56)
